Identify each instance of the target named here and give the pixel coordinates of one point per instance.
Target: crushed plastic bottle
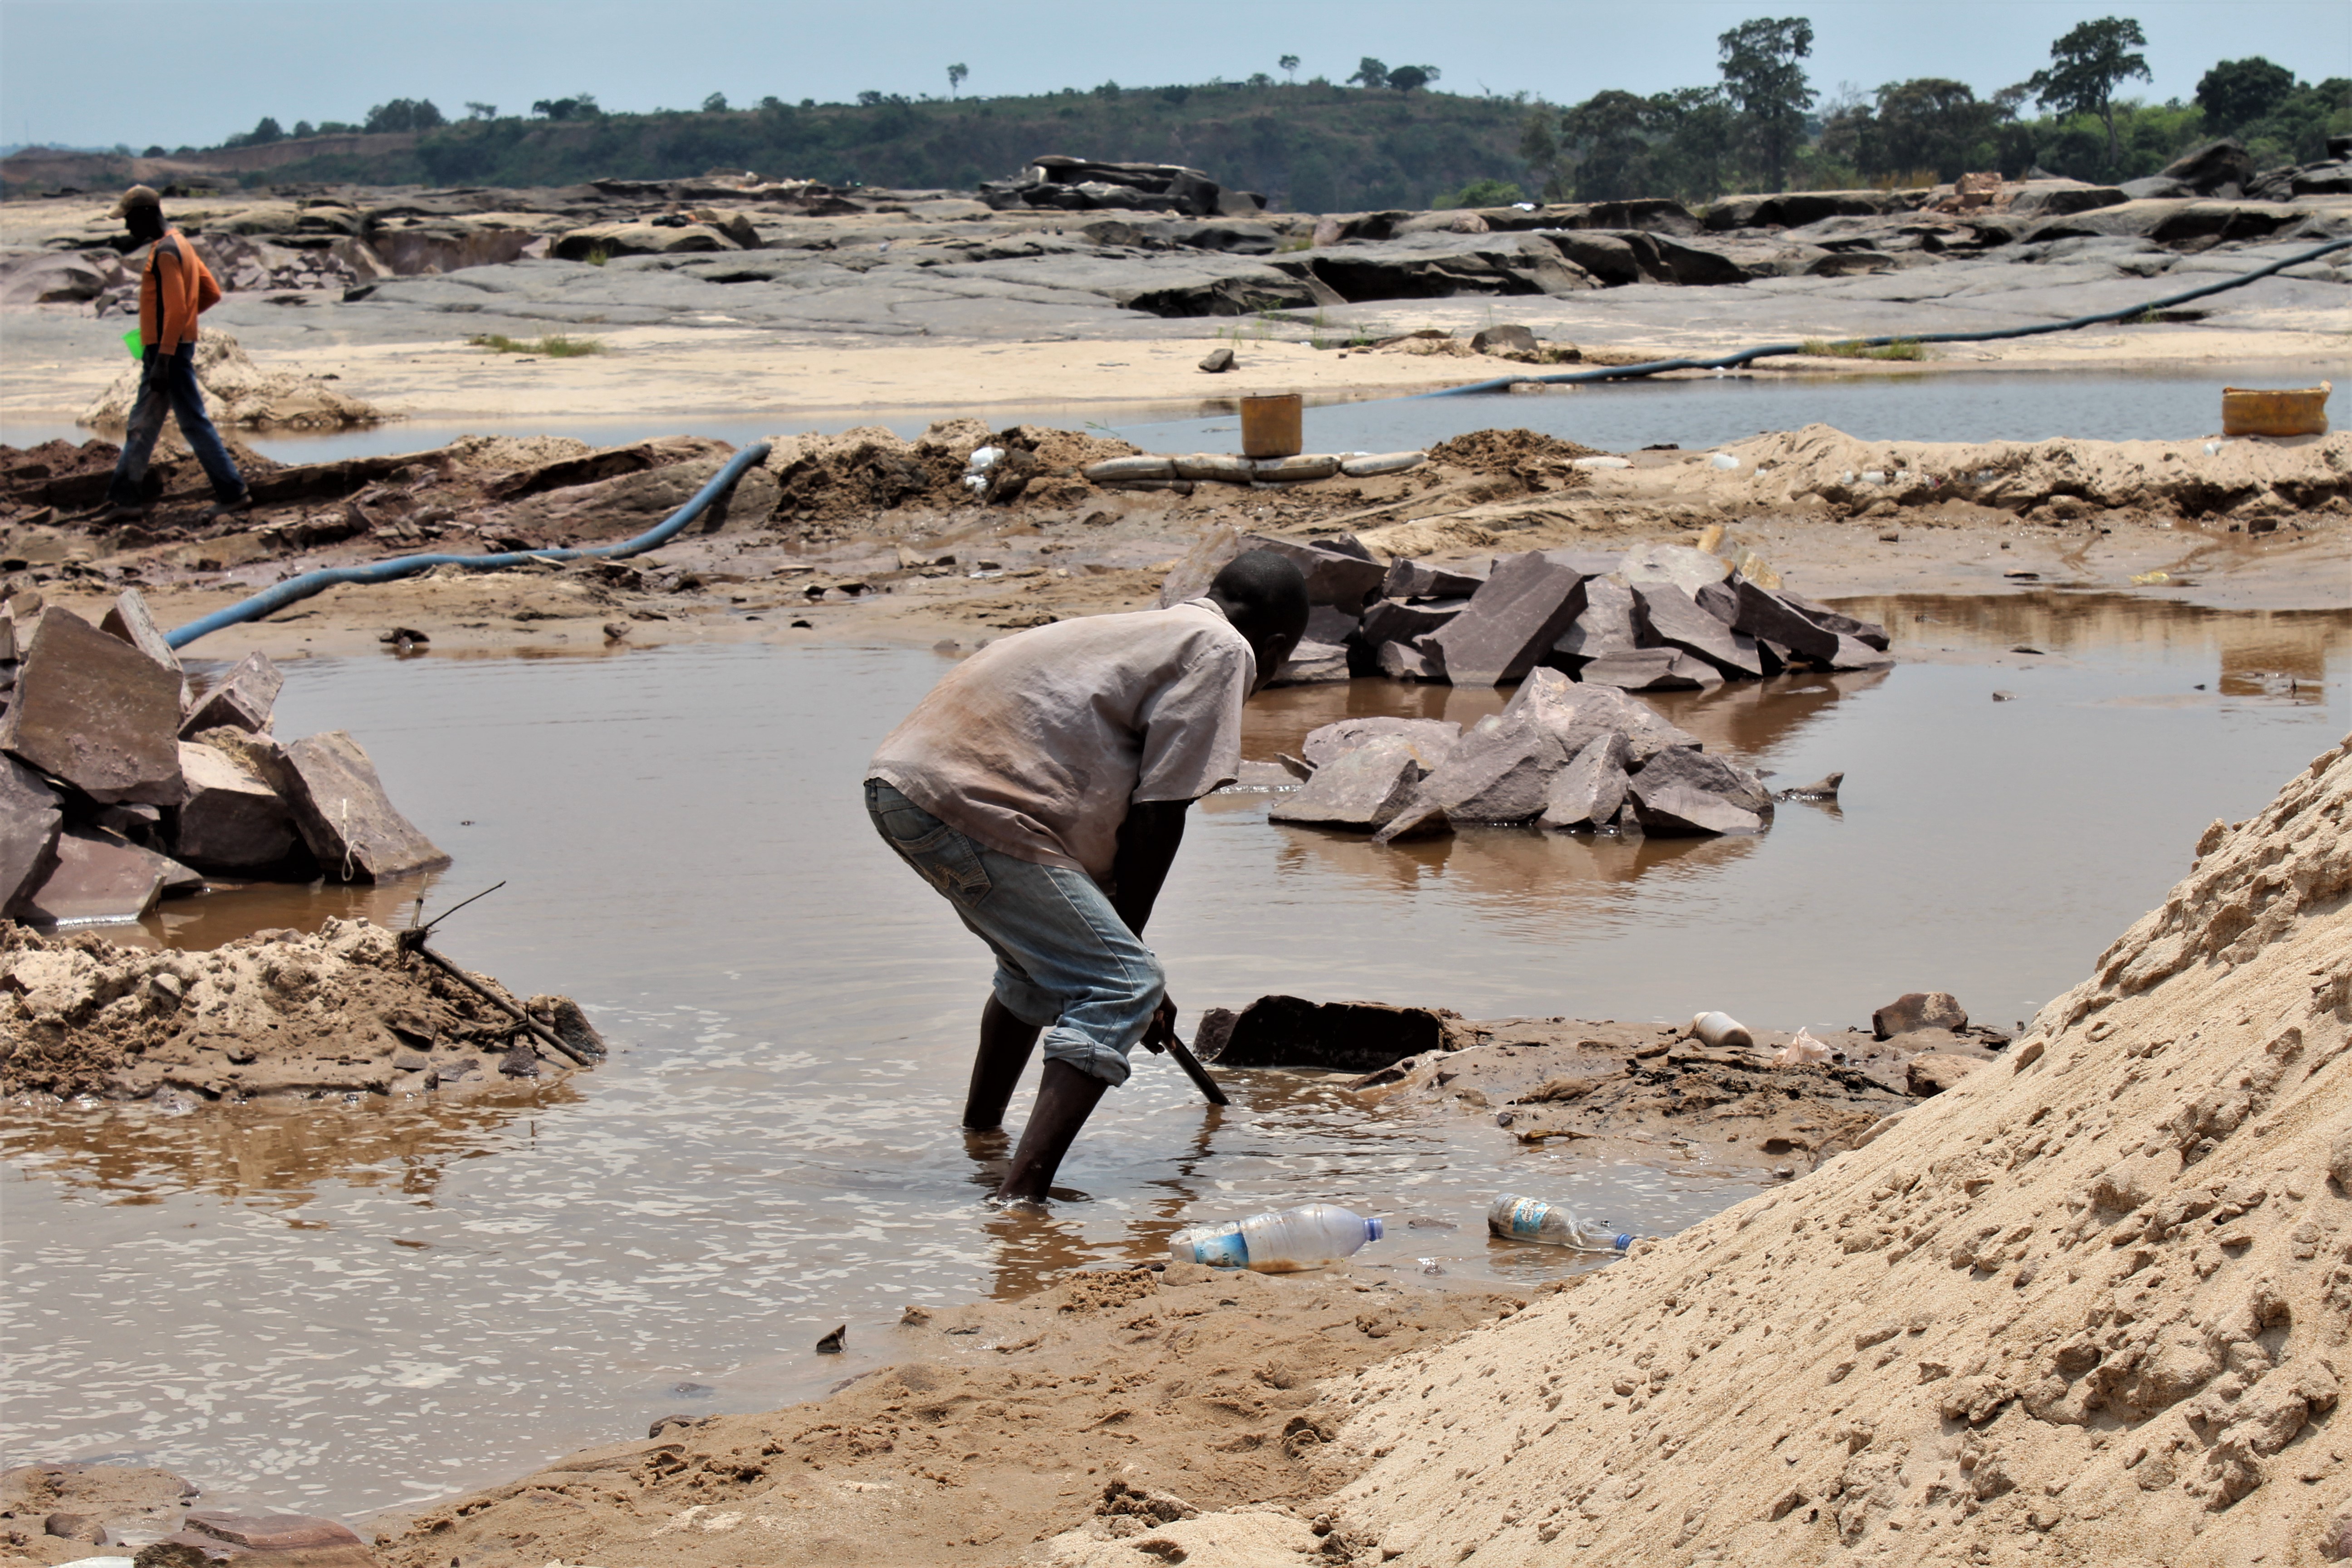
(1515, 1218)
(1720, 1030)
(1309, 1237)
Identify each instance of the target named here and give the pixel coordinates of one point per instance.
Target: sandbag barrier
(1182, 473)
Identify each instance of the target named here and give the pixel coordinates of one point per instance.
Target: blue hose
(294, 588)
(1768, 351)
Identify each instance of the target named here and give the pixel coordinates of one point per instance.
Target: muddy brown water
(354, 1308)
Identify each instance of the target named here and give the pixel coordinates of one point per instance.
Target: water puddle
(353, 1307)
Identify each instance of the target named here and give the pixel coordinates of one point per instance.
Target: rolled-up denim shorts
(1064, 961)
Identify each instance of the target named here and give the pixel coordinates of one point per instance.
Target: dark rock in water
(680, 1423)
(1867, 632)
(1672, 618)
(344, 816)
(1343, 1037)
(1919, 1010)
(563, 1016)
(1493, 775)
(99, 877)
(95, 711)
(1638, 669)
(87, 1527)
(1364, 788)
(1416, 660)
(1508, 337)
(1718, 600)
(1854, 654)
(1432, 738)
(1588, 792)
(231, 821)
(1312, 664)
(1210, 1034)
(1684, 792)
(833, 1342)
(1576, 714)
(1426, 580)
(30, 817)
(1604, 626)
(243, 701)
(1824, 788)
(1764, 617)
(1512, 621)
(698, 1389)
(1389, 621)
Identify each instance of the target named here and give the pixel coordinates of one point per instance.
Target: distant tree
(579, 106)
(1694, 135)
(2235, 92)
(1110, 89)
(870, 99)
(1290, 64)
(1482, 194)
(303, 128)
(1371, 73)
(1260, 79)
(955, 79)
(155, 152)
(1175, 95)
(1540, 149)
(1404, 78)
(1606, 136)
(1930, 122)
(772, 107)
(481, 110)
(715, 104)
(2087, 65)
(1768, 87)
(265, 129)
(404, 114)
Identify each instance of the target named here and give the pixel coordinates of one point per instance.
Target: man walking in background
(174, 290)
(1041, 789)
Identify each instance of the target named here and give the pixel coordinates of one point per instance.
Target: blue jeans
(1064, 958)
(167, 384)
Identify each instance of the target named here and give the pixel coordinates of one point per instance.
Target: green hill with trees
(1387, 138)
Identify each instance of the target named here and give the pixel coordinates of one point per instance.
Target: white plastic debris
(1601, 463)
(1800, 1051)
(2212, 449)
(1723, 460)
(1720, 1030)
(1873, 476)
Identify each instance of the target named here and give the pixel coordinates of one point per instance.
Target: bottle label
(1528, 1217)
(1228, 1250)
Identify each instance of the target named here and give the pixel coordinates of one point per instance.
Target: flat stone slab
(95, 711)
(1390, 621)
(1346, 1037)
(1575, 714)
(1604, 626)
(1672, 618)
(1426, 580)
(1768, 618)
(1312, 664)
(1499, 775)
(99, 879)
(1364, 788)
(30, 817)
(1512, 621)
(344, 816)
(1433, 739)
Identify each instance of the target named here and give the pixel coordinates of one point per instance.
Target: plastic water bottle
(1515, 1218)
(1309, 1236)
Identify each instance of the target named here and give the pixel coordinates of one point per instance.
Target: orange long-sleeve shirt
(175, 288)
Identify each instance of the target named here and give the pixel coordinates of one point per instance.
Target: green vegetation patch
(1902, 348)
(550, 347)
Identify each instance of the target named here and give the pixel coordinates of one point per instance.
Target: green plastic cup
(130, 342)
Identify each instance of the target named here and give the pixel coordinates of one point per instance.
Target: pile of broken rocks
(1560, 755)
(120, 783)
(1661, 618)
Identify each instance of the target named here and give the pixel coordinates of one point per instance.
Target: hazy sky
(95, 72)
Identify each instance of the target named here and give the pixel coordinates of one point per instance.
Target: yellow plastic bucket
(1271, 425)
(2259, 411)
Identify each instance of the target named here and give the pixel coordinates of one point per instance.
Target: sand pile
(341, 1010)
(830, 480)
(2090, 1305)
(1128, 1398)
(1508, 452)
(239, 392)
(2246, 479)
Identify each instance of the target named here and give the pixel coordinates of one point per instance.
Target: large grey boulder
(98, 877)
(1495, 774)
(1588, 792)
(1427, 580)
(1762, 615)
(1513, 619)
(231, 821)
(1684, 792)
(344, 816)
(1650, 669)
(2209, 169)
(1389, 621)
(1312, 664)
(93, 711)
(1575, 714)
(1433, 740)
(1337, 575)
(1364, 788)
(1605, 626)
(1869, 633)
